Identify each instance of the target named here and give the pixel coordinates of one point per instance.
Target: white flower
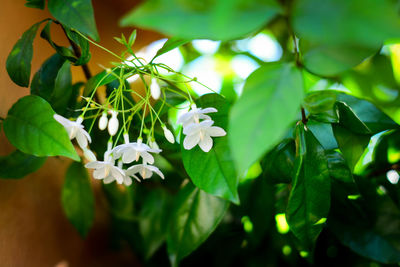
(195, 115)
(201, 133)
(146, 171)
(74, 130)
(153, 144)
(113, 123)
(89, 155)
(168, 134)
(127, 177)
(155, 89)
(106, 170)
(133, 151)
(103, 121)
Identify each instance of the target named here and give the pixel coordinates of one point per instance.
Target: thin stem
(303, 116)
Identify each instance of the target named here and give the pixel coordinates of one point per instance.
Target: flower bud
(113, 123)
(155, 89)
(89, 155)
(153, 145)
(126, 138)
(103, 121)
(168, 135)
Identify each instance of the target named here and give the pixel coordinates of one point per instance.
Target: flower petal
(109, 179)
(147, 157)
(206, 144)
(216, 131)
(191, 141)
(156, 170)
(208, 110)
(127, 180)
(81, 139)
(63, 121)
(128, 156)
(100, 173)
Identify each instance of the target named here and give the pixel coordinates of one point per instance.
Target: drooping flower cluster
(198, 128)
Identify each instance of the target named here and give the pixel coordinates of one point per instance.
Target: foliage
(299, 168)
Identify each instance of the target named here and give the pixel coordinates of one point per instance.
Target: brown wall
(33, 229)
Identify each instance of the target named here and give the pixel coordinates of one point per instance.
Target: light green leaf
(195, 216)
(171, 44)
(76, 14)
(77, 198)
(269, 104)
(31, 128)
(319, 101)
(217, 20)
(309, 200)
(18, 164)
(19, 60)
(213, 171)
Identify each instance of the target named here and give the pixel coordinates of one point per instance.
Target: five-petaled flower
(201, 133)
(195, 115)
(146, 171)
(106, 170)
(133, 151)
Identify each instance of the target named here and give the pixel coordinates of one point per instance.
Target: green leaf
(269, 104)
(35, 4)
(213, 171)
(217, 20)
(329, 116)
(362, 116)
(31, 128)
(324, 134)
(194, 217)
(351, 144)
(98, 80)
(19, 60)
(319, 101)
(18, 164)
(76, 14)
(62, 92)
(309, 200)
(342, 22)
(278, 164)
(338, 168)
(77, 198)
(83, 45)
(171, 44)
(132, 38)
(153, 220)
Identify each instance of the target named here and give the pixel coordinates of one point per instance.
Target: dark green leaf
(309, 200)
(76, 14)
(278, 164)
(35, 4)
(218, 20)
(213, 171)
(338, 168)
(329, 116)
(319, 101)
(99, 79)
(19, 60)
(18, 164)
(269, 104)
(31, 128)
(195, 216)
(82, 44)
(62, 92)
(351, 144)
(77, 198)
(171, 44)
(324, 134)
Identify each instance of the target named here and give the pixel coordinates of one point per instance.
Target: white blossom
(168, 134)
(195, 115)
(113, 123)
(155, 89)
(127, 177)
(146, 171)
(74, 130)
(106, 170)
(133, 151)
(103, 121)
(201, 133)
(89, 155)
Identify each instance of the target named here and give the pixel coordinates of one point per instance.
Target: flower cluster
(198, 128)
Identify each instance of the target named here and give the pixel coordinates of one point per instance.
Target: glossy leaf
(19, 60)
(77, 198)
(338, 168)
(171, 44)
(351, 144)
(82, 44)
(219, 20)
(309, 200)
(213, 171)
(18, 164)
(269, 104)
(319, 101)
(63, 92)
(31, 128)
(278, 164)
(76, 14)
(194, 217)
(324, 134)
(35, 4)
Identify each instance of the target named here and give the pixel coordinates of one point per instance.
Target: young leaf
(319, 101)
(269, 104)
(213, 171)
(18, 164)
(77, 198)
(35, 4)
(195, 216)
(309, 200)
(219, 20)
(171, 44)
(31, 128)
(19, 60)
(132, 38)
(76, 14)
